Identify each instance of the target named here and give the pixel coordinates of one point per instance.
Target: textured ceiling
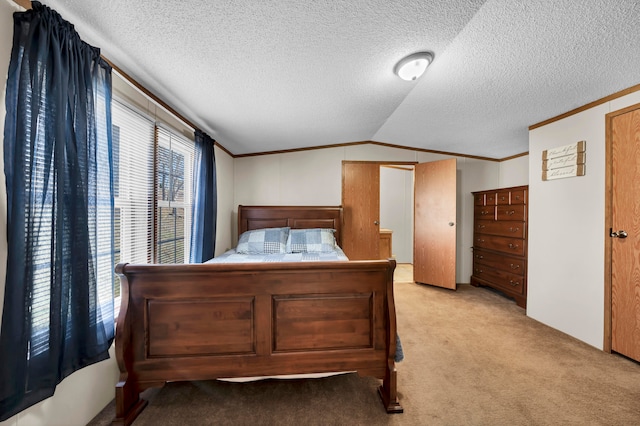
(285, 74)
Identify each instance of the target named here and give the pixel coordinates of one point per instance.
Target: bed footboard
(209, 321)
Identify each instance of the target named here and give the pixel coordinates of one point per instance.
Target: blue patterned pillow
(263, 241)
(315, 240)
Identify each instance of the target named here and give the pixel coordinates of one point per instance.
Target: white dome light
(413, 66)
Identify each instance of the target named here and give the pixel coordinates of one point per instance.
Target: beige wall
(225, 222)
(567, 229)
(315, 178)
(514, 172)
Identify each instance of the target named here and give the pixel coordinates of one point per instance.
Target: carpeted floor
(472, 357)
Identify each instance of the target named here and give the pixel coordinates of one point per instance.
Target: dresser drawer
(513, 212)
(485, 213)
(478, 199)
(519, 196)
(503, 197)
(501, 280)
(505, 228)
(490, 198)
(489, 260)
(504, 244)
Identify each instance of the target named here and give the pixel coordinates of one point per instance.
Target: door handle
(619, 234)
(375, 222)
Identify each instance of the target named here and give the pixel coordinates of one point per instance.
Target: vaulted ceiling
(263, 76)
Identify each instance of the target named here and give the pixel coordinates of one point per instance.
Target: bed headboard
(295, 217)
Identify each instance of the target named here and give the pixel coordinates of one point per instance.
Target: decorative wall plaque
(564, 161)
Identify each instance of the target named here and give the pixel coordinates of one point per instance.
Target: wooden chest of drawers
(386, 244)
(500, 241)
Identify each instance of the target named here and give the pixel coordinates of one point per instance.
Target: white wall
(514, 172)
(226, 218)
(315, 178)
(567, 228)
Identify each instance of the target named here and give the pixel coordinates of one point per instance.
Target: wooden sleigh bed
(209, 321)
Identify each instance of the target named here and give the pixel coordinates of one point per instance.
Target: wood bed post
(389, 394)
(128, 401)
(388, 391)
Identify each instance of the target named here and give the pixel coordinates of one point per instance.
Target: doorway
(396, 209)
(434, 217)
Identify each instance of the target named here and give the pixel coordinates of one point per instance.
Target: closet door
(624, 128)
(361, 214)
(434, 242)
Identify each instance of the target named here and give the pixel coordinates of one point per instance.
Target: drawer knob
(513, 246)
(511, 212)
(514, 283)
(512, 229)
(512, 266)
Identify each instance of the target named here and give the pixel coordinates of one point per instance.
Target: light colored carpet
(403, 273)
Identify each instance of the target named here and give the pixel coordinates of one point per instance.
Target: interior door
(361, 210)
(625, 233)
(434, 250)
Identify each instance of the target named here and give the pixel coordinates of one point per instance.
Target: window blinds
(133, 141)
(145, 233)
(174, 193)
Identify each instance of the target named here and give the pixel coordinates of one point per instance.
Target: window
(174, 165)
(133, 139)
(151, 225)
(43, 215)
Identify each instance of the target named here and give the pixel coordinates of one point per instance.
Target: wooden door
(361, 204)
(624, 132)
(434, 246)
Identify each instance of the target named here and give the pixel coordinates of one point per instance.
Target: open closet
(434, 216)
(396, 211)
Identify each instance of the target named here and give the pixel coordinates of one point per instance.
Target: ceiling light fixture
(413, 66)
